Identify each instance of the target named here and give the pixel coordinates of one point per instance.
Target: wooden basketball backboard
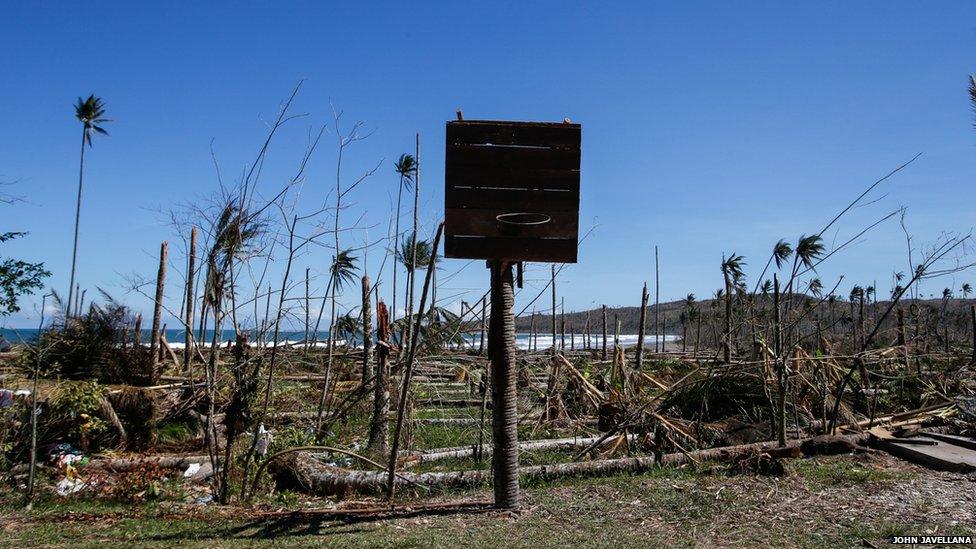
(512, 190)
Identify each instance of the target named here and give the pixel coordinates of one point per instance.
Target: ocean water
(177, 338)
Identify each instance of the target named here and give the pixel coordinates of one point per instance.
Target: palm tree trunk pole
(562, 323)
(307, 309)
(379, 426)
(586, 337)
(74, 250)
(698, 335)
(657, 303)
(157, 312)
(28, 499)
(639, 359)
(484, 324)
(412, 275)
(188, 312)
(603, 354)
(553, 283)
(367, 330)
(972, 312)
(780, 367)
(408, 371)
(531, 330)
(501, 335)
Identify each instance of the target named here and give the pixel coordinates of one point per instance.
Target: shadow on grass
(315, 522)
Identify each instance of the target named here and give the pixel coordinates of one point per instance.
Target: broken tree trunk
(639, 359)
(301, 471)
(157, 314)
(188, 320)
(378, 430)
(603, 353)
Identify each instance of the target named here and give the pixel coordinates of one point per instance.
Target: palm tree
(966, 290)
(414, 254)
(816, 287)
(343, 269)
(406, 168)
(733, 275)
(809, 249)
(781, 252)
(91, 113)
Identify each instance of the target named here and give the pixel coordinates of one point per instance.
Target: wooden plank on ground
(941, 455)
(956, 440)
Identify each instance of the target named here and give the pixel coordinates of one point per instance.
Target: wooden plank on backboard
(494, 198)
(511, 177)
(493, 156)
(545, 134)
(492, 223)
(558, 250)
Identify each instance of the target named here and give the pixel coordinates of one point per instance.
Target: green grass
(675, 507)
(843, 471)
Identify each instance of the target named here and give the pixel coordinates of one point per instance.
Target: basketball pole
(504, 395)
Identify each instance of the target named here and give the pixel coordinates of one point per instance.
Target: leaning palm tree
(966, 290)
(406, 168)
(91, 113)
(343, 269)
(781, 252)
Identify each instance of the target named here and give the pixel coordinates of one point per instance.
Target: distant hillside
(670, 312)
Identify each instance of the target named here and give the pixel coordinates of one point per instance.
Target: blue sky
(708, 127)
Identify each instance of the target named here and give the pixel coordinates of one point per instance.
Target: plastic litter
(193, 469)
(67, 486)
(264, 440)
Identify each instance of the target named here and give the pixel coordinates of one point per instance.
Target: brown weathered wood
(952, 439)
(302, 472)
(485, 223)
(499, 176)
(548, 134)
(558, 250)
(503, 168)
(489, 156)
(549, 200)
(942, 456)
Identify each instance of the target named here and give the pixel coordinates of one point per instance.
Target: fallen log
(464, 452)
(130, 464)
(300, 471)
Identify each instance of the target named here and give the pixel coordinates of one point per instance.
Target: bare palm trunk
(379, 426)
(657, 305)
(188, 318)
(781, 377)
(603, 354)
(639, 359)
(412, 275)
(504, 460)
(553, 282)
(157, 314)
(74, 250)
(403, 396)
(367, 331)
